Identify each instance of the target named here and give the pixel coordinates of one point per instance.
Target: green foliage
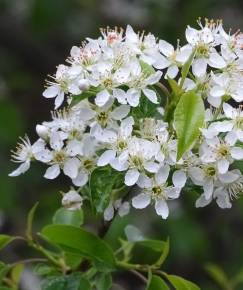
(70, 282)
(188, 118)
(105, 184)
(5, 240)
(146, 68)
(30, 218)
(104, 281)
(219, 276)
(156, 283)
(64, 216)
(145, 109)
(78, 241)
(186, 67)
(181, 283)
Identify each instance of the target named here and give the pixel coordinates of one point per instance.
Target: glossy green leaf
(156, 283)
(5, 240)
(105, 182)
(71, 282)
(188, 118)
(181, 284)
(104, 281)
(30, 221)
(64, 216)
(186, 67)
(176, 90)
(81, 242)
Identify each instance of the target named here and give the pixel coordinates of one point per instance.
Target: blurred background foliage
(36, 36)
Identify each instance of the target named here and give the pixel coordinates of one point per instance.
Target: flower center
(102, 118)
(59, 157)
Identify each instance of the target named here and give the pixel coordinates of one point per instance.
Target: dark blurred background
(36, 36)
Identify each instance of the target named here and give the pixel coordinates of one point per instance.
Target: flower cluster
(118, 90)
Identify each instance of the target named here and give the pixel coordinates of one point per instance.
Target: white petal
(81, 179)
(161, 208)
(131, 36)
(59, 100)
(160, 61)
(173, 192)
(151, 166)
(216, 61)
(228, 177)
(154, 78)
(124, 209)
(208, 188)
(217, 92)
(141, 201)
(120, 95)
(223, 165)
(133, 97)
(106, 157)
(120, 112)
(199, 67)
(202, 201)
(51, 91)
(172, 72)
(228, 110)
(131, 177)
(237, 153)
(71, 167)
(162, 175)
(166, 48)
(102, 98)
(222, 198)
(74, 147)
(117, 165)
(21, 169)
(52, 172)
(179, 178)
(151, 95)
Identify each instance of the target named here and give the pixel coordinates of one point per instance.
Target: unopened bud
(72, 200)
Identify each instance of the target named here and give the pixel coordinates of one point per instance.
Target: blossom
(72, 200)
(157, 189)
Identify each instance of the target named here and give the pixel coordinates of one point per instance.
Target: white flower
(230, 188)
(157, 189)
(137, 157)
(223, 152)
(72, 200)
(25, 153)
(174, 58)
(123, 209)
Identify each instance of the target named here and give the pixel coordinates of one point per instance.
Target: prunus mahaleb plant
(136, 123)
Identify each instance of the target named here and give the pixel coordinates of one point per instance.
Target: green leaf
(146, 68)
(71, 282)
(105, 183)
(104, 281)
(218, 275)
(156, 283)
(188, 118)
(177, 91)
(64, 216)
(4, 269)
(186, 67)
(85, 95)
(30, 221)
(181, 284)
(81, 242)
(16, 273)
(154, 252)
(42, 269)
(5, 240)
(145, 109)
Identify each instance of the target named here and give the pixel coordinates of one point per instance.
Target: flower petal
(141, 201)
(52, 172)
(131, 177)
(161, 208)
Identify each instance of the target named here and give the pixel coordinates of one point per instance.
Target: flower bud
(42, 131)
(72, 200)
